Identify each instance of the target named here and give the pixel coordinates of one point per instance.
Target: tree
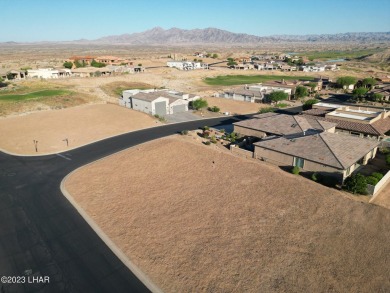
(139, 64)
(97, 64)
(78, 64)
(369, 82)
(68, 64)
(356, 184)
(377, 97)
(199, 104)
(301, 92)
(359, 92)
(345, 81)
(10, 76)
(313, 85)
(277, 96)
(231, 62)
(309, 104)
(214, 56)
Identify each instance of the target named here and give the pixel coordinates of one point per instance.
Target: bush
(314, 177)
(206, 128)
(372, 180)
(282, 105)
(295, 170)
(184, 132)
(377, 175)
(309, 104)
(214, 109)
(266, 110)
(207, 143)
(384, 150)
(213, 139)
(222, 130)
(356, 184)
(206, 133)
(68, 64)
(199, 104)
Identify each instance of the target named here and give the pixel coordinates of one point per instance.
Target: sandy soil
(196, 219)
(80, 125)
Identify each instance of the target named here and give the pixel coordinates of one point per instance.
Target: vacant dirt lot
(80, 125)
(196, 219)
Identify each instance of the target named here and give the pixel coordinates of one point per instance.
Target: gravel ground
(197, 219)
(80, 125)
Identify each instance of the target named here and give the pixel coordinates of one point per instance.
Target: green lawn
(248, 79)
(340, 54)
(33, 95)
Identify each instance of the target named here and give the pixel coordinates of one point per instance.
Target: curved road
(41, 234)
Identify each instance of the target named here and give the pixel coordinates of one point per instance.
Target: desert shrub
(207, 143)
(356, 184)
(309, 104)
(206, 128)
(206, 133)
(199, 104)
(213, 139)
(282, 105)
(377, 175)
(266, 110)
(214, 109)
(372, 180)
(222, 130)
(184, 132)
(295, 170)
(314, 177)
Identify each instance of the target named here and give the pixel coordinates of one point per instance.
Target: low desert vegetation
(248, 79)
(199, 104)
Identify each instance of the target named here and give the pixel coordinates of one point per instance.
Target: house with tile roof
(364, 122)
(306, 142)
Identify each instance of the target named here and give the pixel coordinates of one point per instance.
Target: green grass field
(33, 95)
(340, 54)
(248, 79)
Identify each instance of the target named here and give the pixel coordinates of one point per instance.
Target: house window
(299, 162)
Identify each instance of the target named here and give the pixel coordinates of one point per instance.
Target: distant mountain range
(176, 36)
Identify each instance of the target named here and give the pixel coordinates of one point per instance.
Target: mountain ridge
(210, 35)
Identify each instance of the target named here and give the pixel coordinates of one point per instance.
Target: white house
(186, 65)
(313, 68)
(45, 73)
(160, 102)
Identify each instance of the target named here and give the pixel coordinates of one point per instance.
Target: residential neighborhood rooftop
(328, 148)
(282, 124)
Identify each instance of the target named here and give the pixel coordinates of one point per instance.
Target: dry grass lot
(233, 225)
(81, 125)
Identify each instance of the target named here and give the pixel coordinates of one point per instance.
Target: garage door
(178, 108)
(161, 108)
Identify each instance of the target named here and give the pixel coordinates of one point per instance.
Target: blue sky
(56, 20)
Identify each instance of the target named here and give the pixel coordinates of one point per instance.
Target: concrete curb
(113, 247)
(76, 147)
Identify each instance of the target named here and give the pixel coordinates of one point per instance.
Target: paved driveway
(182, 117)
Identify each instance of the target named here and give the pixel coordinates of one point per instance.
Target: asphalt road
(43, 235)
